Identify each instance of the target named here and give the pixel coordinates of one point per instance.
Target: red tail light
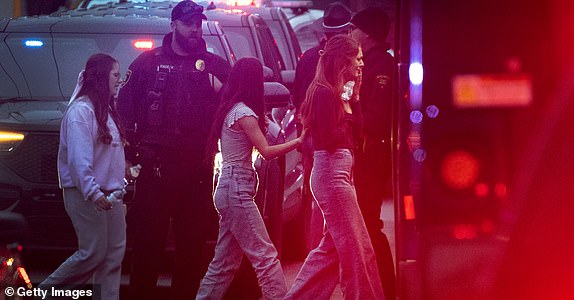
(409, 204)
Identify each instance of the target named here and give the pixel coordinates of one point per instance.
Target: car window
(271, 55)
(241, 41)
(73, 50)
(281, 41)
(306, 26)
(294, 41)
(308, 37)
(33, 72)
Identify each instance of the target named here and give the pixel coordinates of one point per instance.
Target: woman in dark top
(332, 115)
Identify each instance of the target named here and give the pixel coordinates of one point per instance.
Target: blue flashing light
(416, 73)
(432, 111)
(33, 43)
(416, 116)
(419, 155)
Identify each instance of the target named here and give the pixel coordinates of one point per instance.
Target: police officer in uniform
(167, 105)
(373, 161)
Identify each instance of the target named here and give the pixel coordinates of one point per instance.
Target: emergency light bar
(491, 90)
(291, 3)
(33, 43)
(143, 44)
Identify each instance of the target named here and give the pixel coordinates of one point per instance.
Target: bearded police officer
(167, 105)
(373, 160)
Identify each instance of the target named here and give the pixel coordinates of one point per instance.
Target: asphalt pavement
(42, 266)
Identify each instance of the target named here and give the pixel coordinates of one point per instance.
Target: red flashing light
(460, 169)
(481, 189)
(500, 190)
(409, 204)
(241, 3)
(487, 226)
(143, 44)
(465, 231)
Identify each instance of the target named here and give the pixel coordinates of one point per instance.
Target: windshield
(37, 66)
(96, 3)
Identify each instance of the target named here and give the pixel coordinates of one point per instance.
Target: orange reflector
(488, 90)
(25, 277)
(143, 44)
(409, 207)
(460, 169)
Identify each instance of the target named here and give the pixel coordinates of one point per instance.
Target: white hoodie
(83, 162)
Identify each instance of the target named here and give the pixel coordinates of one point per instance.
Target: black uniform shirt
(376, 93)
(169, 100)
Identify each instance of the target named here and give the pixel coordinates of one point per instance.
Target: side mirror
(276, 95)
(268, 74)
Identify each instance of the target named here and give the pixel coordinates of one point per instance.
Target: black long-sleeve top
(329, 129)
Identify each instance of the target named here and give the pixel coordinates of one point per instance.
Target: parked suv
(249, 35)
(279, 25)
(40, 58)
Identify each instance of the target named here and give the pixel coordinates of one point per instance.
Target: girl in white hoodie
(91, 170)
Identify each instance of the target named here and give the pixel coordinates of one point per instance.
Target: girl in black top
(331, 114)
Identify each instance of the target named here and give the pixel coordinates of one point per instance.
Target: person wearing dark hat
(373, 160)
(336, 20)
(167, 106)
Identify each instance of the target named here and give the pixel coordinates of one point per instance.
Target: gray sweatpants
(101, 247)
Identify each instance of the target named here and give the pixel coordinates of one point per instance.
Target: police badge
(200, 65)
(383, 80)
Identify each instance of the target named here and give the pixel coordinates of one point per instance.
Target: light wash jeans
(241, 230)
(345, 254)
(101, 247)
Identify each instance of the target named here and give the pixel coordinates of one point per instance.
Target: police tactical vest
(181, 101)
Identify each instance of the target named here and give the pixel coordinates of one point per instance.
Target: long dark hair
(245, 84)
(334, 61)
(96, 87)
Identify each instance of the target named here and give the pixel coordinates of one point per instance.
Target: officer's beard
(189, 45)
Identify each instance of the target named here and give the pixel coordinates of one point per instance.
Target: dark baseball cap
(187, 9)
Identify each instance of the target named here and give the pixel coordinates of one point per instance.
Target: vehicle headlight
(10, 140)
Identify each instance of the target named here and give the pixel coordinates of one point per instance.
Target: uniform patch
(383, 80)
(127, 78)
(200, 65)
